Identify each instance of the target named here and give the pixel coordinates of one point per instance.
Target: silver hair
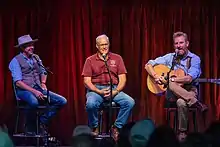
(101, 36)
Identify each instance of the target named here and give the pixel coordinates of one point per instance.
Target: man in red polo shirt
(97, 81)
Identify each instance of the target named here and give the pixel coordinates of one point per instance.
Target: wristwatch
(117, 90)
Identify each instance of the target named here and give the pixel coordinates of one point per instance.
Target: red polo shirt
(95, 68)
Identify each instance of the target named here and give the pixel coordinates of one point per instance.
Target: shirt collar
(25, 56)
(109, 56)
(189, 54)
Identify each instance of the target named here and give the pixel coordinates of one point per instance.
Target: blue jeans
(56, 102)
(93, 103)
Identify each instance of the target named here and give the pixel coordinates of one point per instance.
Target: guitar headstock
(205, 80)
(215, 81)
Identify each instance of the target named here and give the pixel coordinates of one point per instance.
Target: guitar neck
(206, 80)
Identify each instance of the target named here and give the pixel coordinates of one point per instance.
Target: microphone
(36, 57)
(39, 61)
(176, 52)
(104, 56)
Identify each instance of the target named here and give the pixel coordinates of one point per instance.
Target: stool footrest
(31, 136)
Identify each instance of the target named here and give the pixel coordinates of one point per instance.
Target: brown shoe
(114, 133)
(200, 106)
(95, 131)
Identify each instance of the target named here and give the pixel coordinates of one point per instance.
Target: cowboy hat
(26, 39)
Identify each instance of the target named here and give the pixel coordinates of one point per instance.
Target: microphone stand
(48, 98)
(168, 74)
(47, 70)
(111, 85)
(39, 62)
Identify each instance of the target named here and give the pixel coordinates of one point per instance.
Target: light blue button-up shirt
(15, 68)
(194, 71)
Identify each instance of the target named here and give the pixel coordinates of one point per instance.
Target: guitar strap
(188, 63)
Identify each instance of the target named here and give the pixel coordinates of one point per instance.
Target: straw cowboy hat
(26, 39)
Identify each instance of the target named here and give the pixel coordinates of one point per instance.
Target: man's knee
(63, 101)
(181, 103)
(56, 98)
(91, 104)
(131, 102)
(34, 103)
(128, 101)
(172, 86)
(93, 100)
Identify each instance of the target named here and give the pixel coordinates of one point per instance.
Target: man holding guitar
(180, 84)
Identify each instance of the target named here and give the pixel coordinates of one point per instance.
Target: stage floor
(99, 137)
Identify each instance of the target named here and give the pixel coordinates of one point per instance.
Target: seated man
(96, 80)
(29, 78)
(183, 88)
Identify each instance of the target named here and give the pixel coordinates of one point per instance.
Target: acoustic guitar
(163, 70)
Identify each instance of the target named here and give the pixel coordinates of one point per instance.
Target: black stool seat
(107, 104)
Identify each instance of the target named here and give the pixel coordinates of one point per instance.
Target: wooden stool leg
(100, 121)
(168, 116)
(17, 121)
(204, 119)
(107, 122)
(194, 121)
(176, 120)
(37, 126)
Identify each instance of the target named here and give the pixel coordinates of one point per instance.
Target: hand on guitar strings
(159, 79)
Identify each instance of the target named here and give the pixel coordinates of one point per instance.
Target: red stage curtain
(138, 31)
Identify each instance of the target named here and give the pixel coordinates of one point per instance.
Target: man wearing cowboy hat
(29, 79)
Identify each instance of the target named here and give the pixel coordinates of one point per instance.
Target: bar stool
(105, 107)
(21, 106)
(171, 107)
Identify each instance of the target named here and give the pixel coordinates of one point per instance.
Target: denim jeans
(93, 103)
(55, 103)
